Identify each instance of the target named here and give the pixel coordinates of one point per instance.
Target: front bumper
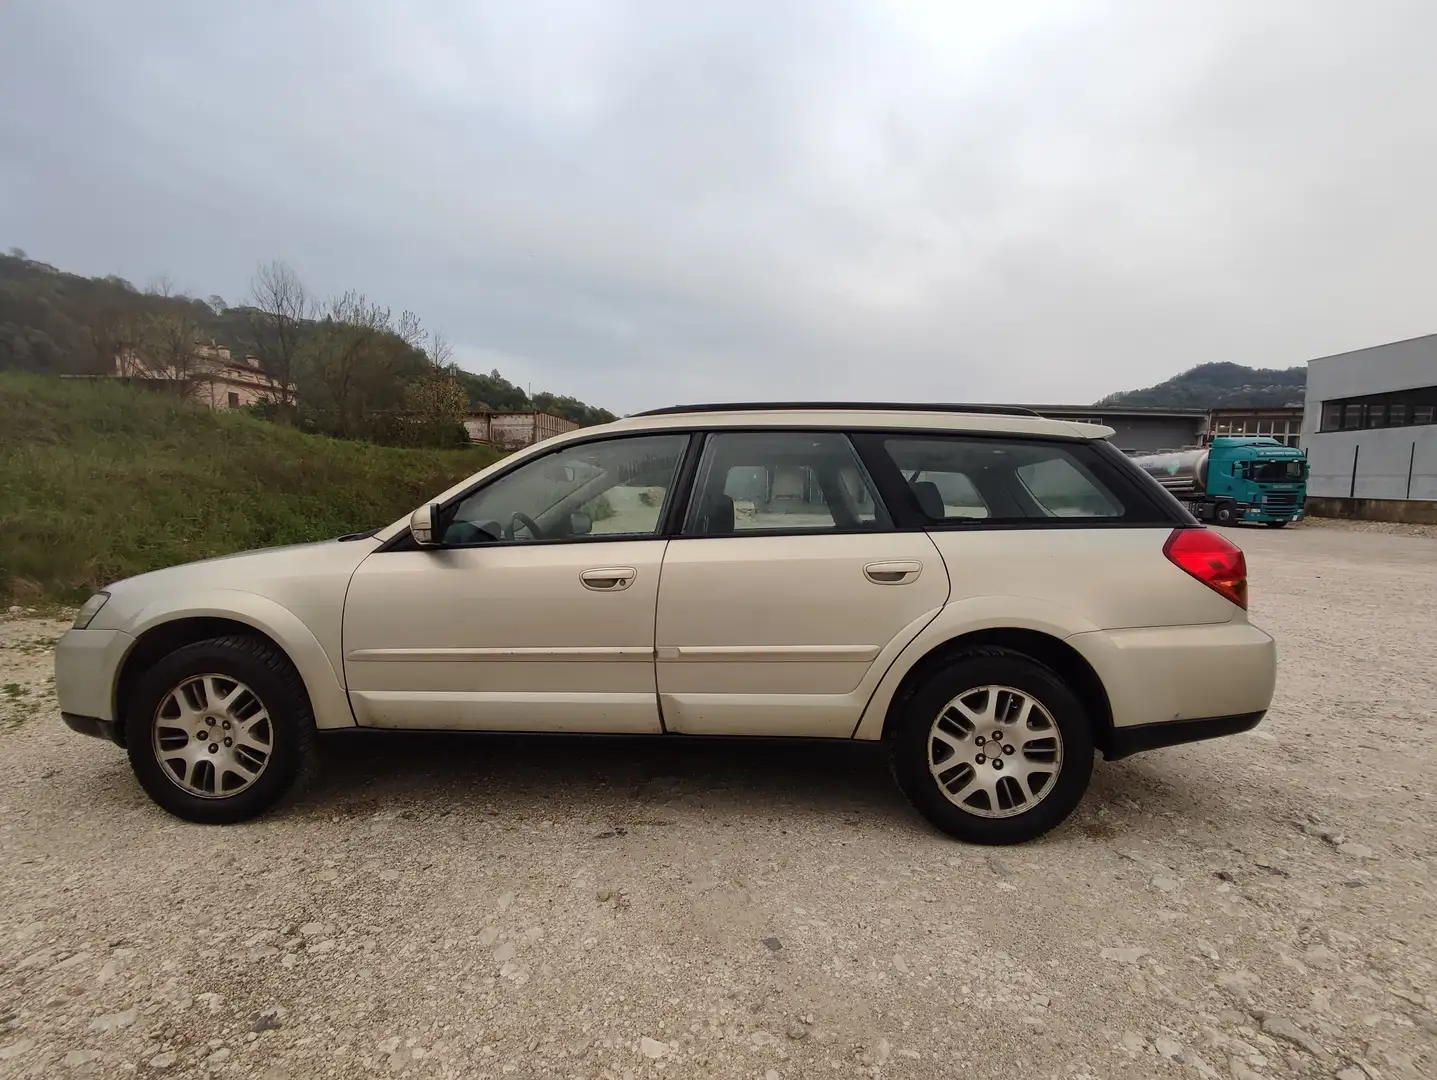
(1264, 514)
(87, 666)
(93, 725)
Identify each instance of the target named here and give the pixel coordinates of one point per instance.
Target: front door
(537, 614)
(778, 616)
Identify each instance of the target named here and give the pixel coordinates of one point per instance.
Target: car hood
(296, 576)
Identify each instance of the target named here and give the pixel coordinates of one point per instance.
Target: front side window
(959, 478)
(752, 482)
(616, 487)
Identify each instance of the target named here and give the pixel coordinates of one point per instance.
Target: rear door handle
(893, 573)
(609, 578)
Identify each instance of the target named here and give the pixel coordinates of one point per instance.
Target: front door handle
(609, 578)
(893, 573)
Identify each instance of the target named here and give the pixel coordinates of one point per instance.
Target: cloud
(641, 202)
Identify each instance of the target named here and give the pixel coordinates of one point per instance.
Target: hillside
(1209, 386)
(54, 322)
(99, 481)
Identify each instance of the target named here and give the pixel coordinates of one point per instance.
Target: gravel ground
(488, 907)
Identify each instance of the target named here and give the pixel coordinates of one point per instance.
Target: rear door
(788, 592)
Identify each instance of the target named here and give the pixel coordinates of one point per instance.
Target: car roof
(924, 416)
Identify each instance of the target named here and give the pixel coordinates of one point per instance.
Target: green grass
(100, 482)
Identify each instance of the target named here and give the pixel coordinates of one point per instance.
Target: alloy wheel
(994, 751)
(212, 736)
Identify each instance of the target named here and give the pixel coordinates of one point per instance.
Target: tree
(441, 351)
(162, 346)
(280, 309)
(161, 285)
(217, 303)
(18, 253)
(344, 359)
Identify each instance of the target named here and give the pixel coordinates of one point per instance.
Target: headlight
(90, 610)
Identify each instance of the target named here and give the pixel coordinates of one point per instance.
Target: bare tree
(162, 347)
(408, 331)
(160, 285)
(441, 351)
(280, 309)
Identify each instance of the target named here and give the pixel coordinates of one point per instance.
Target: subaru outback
(993, 595)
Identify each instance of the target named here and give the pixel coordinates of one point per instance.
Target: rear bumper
(1127, 741)
(1174, 684)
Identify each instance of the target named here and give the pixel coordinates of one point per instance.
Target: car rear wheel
(221, 730)
(993, 748)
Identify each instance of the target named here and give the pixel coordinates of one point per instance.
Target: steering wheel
(528, 523)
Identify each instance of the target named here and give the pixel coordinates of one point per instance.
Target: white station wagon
(992, 594)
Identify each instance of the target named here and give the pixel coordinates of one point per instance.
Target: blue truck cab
(1236, 478)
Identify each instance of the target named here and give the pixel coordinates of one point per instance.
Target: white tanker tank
(1183, 472)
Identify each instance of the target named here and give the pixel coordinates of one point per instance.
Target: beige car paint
(506, 637)
(783, 635)
(739, 635)
(295, 595)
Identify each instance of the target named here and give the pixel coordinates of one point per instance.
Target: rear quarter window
(976, 480)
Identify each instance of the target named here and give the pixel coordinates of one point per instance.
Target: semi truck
(1237, 478)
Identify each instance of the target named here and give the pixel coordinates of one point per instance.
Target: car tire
(975, 694)
(1224, 515)
(259, 743)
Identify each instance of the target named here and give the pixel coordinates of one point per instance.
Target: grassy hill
(99, 482)
(1209, 386)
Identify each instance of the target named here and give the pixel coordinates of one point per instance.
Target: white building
(1370, 430)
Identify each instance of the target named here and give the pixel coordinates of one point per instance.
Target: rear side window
(974, 480)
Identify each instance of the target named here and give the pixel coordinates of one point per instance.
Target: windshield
(1271, 471)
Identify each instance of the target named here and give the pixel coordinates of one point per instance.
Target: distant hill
(1209, 386)
(57, 323)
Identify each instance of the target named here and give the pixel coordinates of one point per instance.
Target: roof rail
(873, 406)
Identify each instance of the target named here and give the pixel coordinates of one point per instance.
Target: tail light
(1211, 558)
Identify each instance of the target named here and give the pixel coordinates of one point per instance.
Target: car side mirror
(424, 525)
(580, 524)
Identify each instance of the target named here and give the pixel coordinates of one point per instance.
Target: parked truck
(1237, 478)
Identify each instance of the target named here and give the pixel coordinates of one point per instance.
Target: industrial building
(1370, 430)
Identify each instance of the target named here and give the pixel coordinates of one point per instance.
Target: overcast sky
(641, 203)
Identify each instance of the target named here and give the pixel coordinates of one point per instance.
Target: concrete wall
(1383, 455)
(1382, 459)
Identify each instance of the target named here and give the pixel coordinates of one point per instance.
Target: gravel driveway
(487, 907)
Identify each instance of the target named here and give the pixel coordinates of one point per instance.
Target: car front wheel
(993, 748)
(221, 730)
